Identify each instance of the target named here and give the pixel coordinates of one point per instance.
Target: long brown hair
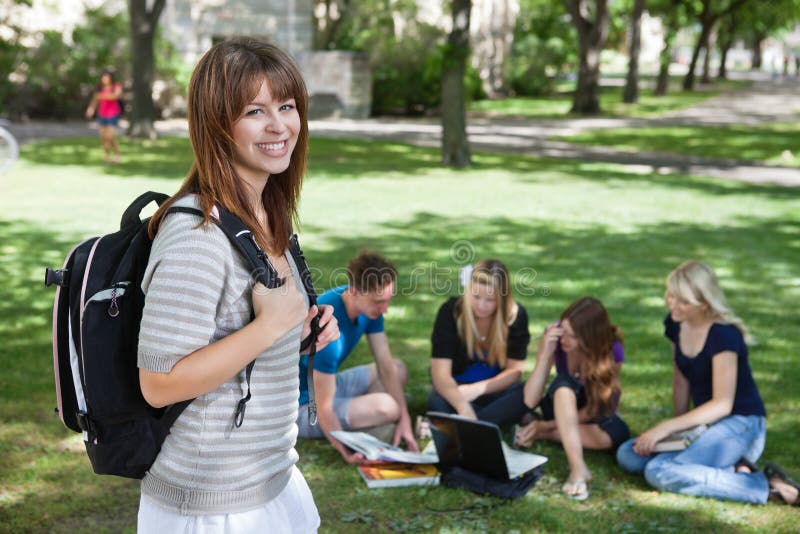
(225, 80)
(494, 274)
(596, 337)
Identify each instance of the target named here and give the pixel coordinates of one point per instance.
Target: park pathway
(767, 100)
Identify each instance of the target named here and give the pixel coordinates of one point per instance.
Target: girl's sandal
(577, 490)
(771, 471)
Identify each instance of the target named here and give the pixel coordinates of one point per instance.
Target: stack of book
(389, 466)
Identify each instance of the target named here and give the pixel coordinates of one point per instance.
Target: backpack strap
(309, 342)
(131, 215)
(242, 238)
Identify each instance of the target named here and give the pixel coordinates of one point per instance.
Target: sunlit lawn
(610, 103)
(564, 228)
(776, 144)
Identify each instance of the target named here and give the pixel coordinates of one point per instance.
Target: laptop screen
(472, 445)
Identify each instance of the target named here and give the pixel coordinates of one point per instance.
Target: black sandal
(771, 471)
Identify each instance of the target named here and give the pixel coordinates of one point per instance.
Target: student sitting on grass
(711, 368)
(479, 344)
(579, 407)
(364, 396)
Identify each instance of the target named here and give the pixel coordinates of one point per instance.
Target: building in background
(339, 83)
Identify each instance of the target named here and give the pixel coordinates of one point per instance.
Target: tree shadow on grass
(615, 504)
(167, 157)
(550, 266)
(171, 157)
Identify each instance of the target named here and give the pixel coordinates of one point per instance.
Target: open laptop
(479, 447)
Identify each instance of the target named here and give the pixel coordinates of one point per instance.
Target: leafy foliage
(56, 77)
(405, 55)
(545, 46)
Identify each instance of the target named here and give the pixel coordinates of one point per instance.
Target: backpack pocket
(109, 339)
(125, 448)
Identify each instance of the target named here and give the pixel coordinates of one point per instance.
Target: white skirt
(292, 511)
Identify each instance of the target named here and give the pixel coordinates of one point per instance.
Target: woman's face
(482, 300)
(682, 310)
(105, 79)
(265, 137)
(569, 342)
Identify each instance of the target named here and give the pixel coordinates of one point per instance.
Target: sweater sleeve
(183, 286)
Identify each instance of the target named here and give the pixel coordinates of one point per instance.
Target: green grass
(775, 144)
(564, 228)
(610, 103)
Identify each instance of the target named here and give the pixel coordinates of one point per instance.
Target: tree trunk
(688, 81)
(143, 29)
(592, 35)
(455, 145)
(491, 43)
(707, 59)
(755, 63)
(631, 93)
(726, 36)
(723, 58)
(670, 31)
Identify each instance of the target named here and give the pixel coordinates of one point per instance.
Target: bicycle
(9, 148)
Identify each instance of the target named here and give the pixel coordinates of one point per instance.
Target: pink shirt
(108, 106)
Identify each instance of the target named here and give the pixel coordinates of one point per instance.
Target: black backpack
(96, 315)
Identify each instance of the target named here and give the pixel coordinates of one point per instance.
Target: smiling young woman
(713, 385)
(204, 321)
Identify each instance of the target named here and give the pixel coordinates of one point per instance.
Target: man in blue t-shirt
(366, 395)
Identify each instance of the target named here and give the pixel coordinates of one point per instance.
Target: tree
(592, 27)
(143, 30)
(328, 17)
(707, 46)
(455, 145)
(727, 33)
(545, 46)
(631, 93)
(755, 21)
(708, 17)
(671, 13)
(493, 31)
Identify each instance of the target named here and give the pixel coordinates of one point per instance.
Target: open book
(374, 449)
(392, 475)
(678, 441)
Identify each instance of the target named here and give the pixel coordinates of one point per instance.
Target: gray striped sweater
(197, 291)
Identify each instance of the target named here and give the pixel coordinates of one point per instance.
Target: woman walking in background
(106, 104)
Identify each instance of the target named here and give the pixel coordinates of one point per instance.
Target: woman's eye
(286, 107)
(255, 111)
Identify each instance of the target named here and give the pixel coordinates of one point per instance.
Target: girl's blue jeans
(706, 467)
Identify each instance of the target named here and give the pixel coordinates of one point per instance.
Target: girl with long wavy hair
(204, 321)
(479, 344)
(712, 385)
(579, 408)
